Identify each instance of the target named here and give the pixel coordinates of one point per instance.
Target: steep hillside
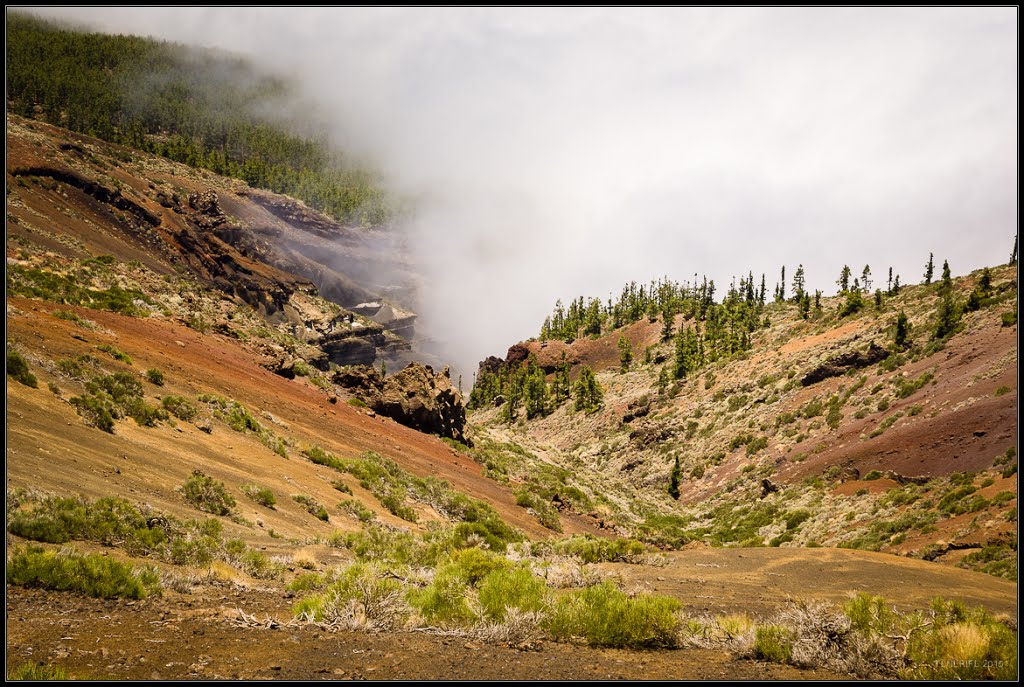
(820, 432)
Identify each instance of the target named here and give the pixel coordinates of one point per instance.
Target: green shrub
(92, 575)
(115, 353)
(357, 403)
(833, 417)
(341, 486)
(603, 615)
(391, 547)
(180, 407)
(69, 316)
(1002, 390)
(443, 601)
(962, 644)
(543, 510)
(504, 589)
(357, 509)
(155, 376)
(95, 411)
(1009, 318)
(796, 518)
(17, 368)
(237, 417)
(774, 643)
(872, 475)
(756, 445)
(312, 506)
(361, 593)
(905, 387)
(207, 494)
(591, 549)
(999, 560)
(812, 409)
(110, 397)
(261, 495)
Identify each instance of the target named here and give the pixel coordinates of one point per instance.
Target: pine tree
(929, 269)
(667, 321)
(782, 286)
(817, 300)
(625, 353)
(985, 283)
(865, 278)
(947, 278)
(588, 392)
(1013, 255)
(948, 316)
(888, 288)
(878, 299)
(798, 284)
(854, 303)
(761, 295)
(896, 285)
(674, 479)
(844, 279)
(535, 391)
(902, 331)
(805, 306)
(560, 385)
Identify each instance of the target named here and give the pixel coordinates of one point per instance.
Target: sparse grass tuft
(38, 672)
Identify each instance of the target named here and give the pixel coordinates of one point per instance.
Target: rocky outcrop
(416, 397)
(840, 364)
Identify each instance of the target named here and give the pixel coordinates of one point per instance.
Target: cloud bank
(559, 153)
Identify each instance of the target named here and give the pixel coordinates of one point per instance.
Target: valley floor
(219, 628)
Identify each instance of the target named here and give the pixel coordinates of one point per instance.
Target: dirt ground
(198, 635)
(172, 639)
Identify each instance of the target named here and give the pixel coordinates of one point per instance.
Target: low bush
(207, 494)
(591, 549)
(115, 353)
(361, 598)
(180, 407)
(505, 589)
(358, 510)
(603, 615)
(261, 495)
(774, 643)
(17, 369)
(312, 506)
(92, 575)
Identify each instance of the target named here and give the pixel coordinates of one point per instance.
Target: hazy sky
(565, 152)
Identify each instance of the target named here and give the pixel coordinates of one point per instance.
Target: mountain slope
(819, 418)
